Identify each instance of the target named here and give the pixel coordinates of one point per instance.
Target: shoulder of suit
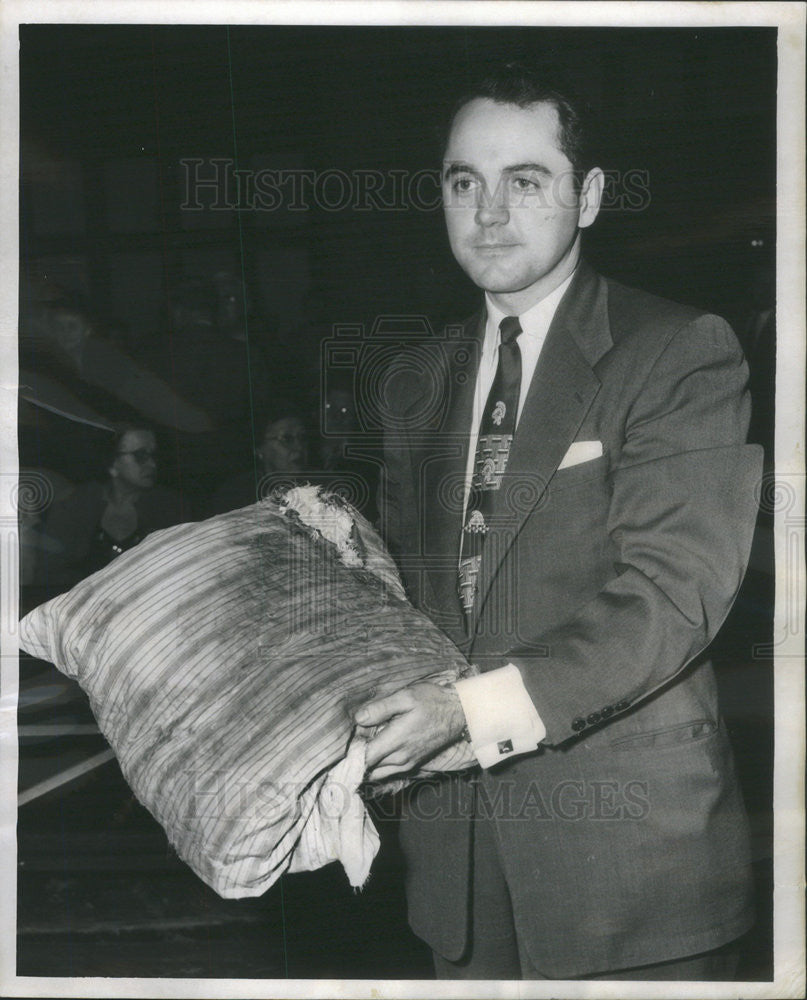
(634, 313)
(631, 308)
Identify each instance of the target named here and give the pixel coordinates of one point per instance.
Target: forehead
(132, 440)
(485, 132)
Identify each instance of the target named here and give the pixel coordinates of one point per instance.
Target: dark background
(107, 113)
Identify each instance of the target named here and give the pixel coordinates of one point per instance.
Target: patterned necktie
(496, 430)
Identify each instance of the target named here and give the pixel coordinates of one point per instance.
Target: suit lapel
(562, 390)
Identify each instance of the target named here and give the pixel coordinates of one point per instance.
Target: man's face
(135, 463)
(284, 447)
(511, 204)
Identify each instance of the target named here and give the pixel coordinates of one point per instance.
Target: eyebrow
(523, 168)
(464, 168)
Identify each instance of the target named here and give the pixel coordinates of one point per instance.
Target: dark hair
(519, 84)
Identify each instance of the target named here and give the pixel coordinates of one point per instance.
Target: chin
(494, 279)
(499, 287)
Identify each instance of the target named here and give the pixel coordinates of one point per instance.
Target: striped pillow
(223, 660)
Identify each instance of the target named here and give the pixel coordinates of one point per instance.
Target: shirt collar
(534, 321)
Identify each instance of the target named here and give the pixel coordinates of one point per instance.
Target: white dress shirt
(501, 717)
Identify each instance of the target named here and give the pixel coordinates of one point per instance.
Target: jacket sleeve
(681, 518)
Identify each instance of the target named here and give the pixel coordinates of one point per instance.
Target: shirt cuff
(501, 718)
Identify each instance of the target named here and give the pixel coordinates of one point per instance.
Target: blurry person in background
(101, 519)
(281, 456)
(284, 447)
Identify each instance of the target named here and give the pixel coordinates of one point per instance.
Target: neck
(517, 303)
(123, 493)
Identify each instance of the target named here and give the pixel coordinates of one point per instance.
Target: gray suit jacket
(624, 836)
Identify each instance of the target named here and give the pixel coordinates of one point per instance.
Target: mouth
(494, 247)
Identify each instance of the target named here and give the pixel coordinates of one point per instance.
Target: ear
(591, 197)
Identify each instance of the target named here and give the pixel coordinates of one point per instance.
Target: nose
(492, 209)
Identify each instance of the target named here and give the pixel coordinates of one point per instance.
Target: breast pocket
(583, 472)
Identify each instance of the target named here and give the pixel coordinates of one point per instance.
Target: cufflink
(505, 746)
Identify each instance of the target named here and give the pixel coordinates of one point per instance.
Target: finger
(385, 753)
(386, 771)
(392, 744)
(372, 713)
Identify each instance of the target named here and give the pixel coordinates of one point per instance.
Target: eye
(525, 183)
(463, 184)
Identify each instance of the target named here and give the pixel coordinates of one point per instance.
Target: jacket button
(578, 724)
(594, 718)
(607, 712)
(621, 706)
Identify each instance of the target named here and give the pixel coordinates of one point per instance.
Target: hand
(417, 721)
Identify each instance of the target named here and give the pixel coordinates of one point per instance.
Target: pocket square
(581, 451)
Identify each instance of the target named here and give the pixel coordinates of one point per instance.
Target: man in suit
(577, 517)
